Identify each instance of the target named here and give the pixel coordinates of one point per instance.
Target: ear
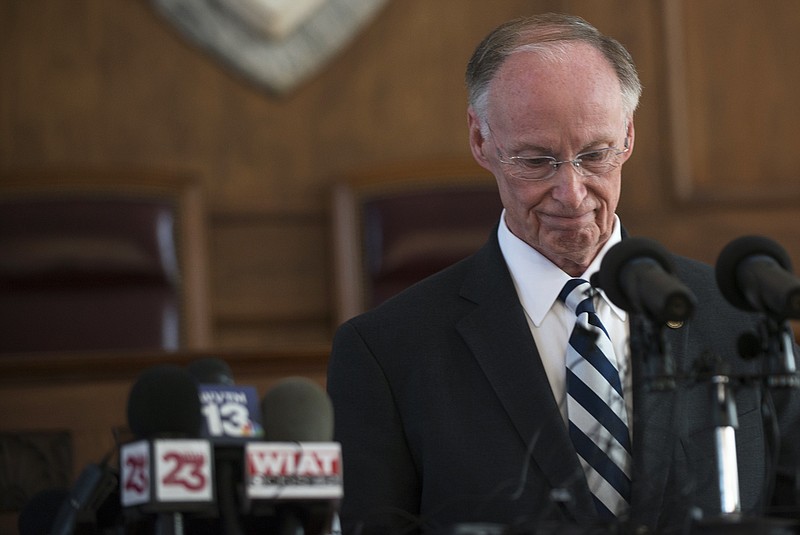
(630, 136)
(477, 142)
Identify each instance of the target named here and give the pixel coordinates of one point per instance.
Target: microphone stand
(649, 343)
(726, 422)
(780, 369)
(656, 371)
(779, 372)
(653, 374)
(169, 524)
(730, 520)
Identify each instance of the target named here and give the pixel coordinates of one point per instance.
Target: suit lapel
(498, 335)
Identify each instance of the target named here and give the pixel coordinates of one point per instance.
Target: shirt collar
(538, 293)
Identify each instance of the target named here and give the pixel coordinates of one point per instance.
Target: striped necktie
(598, 421)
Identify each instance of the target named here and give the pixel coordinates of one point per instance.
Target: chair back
(394, 229)
(93, 260)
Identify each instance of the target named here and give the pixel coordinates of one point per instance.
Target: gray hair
(545, 34)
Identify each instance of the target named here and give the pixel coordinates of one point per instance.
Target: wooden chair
(392, 228)
(101, 260)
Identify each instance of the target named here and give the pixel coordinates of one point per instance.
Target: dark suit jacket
(446, 416)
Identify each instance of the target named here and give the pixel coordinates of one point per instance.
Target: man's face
(560, 108)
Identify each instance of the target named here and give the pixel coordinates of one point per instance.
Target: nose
(569, 187)
(575, 164)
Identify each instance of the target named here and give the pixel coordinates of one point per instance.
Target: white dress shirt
(538, 282)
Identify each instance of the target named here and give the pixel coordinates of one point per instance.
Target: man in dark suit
(451, 399)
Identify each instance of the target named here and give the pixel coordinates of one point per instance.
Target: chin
(581, 247)
(574, 240)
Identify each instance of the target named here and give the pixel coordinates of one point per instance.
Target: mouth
(567, 220)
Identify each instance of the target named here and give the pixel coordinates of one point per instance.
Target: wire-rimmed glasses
(596, 162)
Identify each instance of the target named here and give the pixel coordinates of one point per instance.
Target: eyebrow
(545, 151)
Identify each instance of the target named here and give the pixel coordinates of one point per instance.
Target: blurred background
(250, 137)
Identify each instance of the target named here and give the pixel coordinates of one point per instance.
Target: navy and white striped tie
(598, 421)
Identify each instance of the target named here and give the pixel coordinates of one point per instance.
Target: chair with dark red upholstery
(93, 260)
(393, 228)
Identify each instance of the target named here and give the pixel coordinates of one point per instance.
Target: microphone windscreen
(733, 254)
(615, 260)
(164, 401)
(38, 515)
(211, 370)
(297, 409)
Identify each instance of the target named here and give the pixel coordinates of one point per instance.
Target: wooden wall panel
(733, 83)
(705, 169)
(110, 83)
(278, 288)
(732, 122)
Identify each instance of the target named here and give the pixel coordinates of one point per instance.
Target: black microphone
(164, 402)
(637, 275)
(168, 473)
(211, 370)
(87, 495)
(232, 415)
(294, 476)
(755, 274)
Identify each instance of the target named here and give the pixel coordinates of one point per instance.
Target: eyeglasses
(537, 168)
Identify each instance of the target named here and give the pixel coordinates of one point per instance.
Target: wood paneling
(109, 83)
(733, 82)
(277, 289)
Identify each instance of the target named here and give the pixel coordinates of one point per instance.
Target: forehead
(574, 82)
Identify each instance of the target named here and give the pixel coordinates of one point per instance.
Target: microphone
(211, 370)
(637, 275)
(231, 416)
(81, 504)
(164, 401)
(754, 274)
(231, 413)
(169, 471)
(296, 409)
(295, 475)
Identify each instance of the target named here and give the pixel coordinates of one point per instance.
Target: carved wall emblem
(276, 43)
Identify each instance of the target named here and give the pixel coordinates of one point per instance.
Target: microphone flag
(293, 471)
(230, 413)
(165, 474)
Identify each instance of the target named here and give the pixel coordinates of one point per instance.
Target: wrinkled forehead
(562, 78)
